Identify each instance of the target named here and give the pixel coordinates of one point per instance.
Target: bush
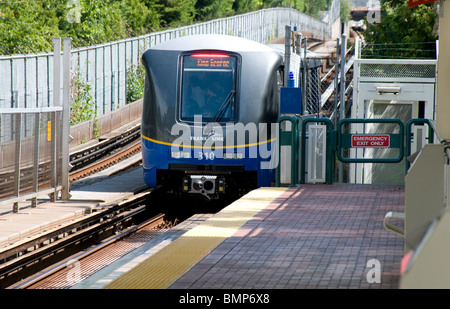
(135, 83)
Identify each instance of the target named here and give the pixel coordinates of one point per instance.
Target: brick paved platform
(319, 236)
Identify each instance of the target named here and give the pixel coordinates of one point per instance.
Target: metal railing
(27, 80)
(34, 143)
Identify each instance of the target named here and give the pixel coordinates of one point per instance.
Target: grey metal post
(18, 140)
(56, 70)
(287, 53)
(37, 119)
(305, 77)
(65, 165)
(56, 102)
(342, 107)
(342, 85)
(299, 43)
(336, 83)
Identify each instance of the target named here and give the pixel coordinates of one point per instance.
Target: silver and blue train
(209, 109)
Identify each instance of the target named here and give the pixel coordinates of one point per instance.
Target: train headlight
(180, 155)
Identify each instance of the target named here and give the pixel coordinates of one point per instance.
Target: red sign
(418, 2)
(367, 140)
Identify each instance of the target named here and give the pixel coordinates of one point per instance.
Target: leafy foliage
(135, 83)
(82, 106)
(29, 26)
(404, 32)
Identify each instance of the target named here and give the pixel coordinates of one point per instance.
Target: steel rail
(18, 258)
(153, 222)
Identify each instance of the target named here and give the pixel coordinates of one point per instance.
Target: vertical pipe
(12, 82)
(96, 81)
(37, 81)
(36, 158)
(336, 83)
(56, 70)
(56, 102)
(54, 158)
(65, 165)
(305, 77)
(18, 140)
(25, 84)
(342, 85)
(48, 81)
(112, 76)
(287, 53)
(104, 82)
(342, 108)
(125, 70)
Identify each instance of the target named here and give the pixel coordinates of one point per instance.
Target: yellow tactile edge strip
(164, 267)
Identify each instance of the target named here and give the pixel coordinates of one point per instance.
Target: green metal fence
(338, 141)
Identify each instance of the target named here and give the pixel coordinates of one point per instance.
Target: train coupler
(207, 185)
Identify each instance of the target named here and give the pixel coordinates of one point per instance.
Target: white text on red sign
(370, 140)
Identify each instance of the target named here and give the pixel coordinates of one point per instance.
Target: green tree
(138, 16)
(100, 20)
(404, 32)
(314, 7)
(208, 9)
(26, 25)
(177, 12)
(242, 6)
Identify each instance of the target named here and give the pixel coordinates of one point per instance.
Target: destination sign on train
(368, 140)
(212, 60)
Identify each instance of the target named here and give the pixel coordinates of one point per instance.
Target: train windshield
(208, 87)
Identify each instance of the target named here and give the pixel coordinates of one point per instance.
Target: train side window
(208, 87)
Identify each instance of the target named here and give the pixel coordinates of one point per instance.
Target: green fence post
(409, 124)
(288, 138)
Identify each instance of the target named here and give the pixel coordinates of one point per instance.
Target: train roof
(213, 41)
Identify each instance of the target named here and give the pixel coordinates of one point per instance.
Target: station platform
(307, 237)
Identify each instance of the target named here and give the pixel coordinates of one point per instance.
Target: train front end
(210, 105)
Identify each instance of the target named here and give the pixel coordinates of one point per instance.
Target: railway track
(28, 257)
(86, 247)
(44, 258)
(46, 249)
(80, 266)
(105, 153)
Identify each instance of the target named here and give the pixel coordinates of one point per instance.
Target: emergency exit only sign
(368, 140)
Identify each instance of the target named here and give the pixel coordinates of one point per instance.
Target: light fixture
(388, 90)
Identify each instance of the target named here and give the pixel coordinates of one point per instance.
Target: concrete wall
(84, 131)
